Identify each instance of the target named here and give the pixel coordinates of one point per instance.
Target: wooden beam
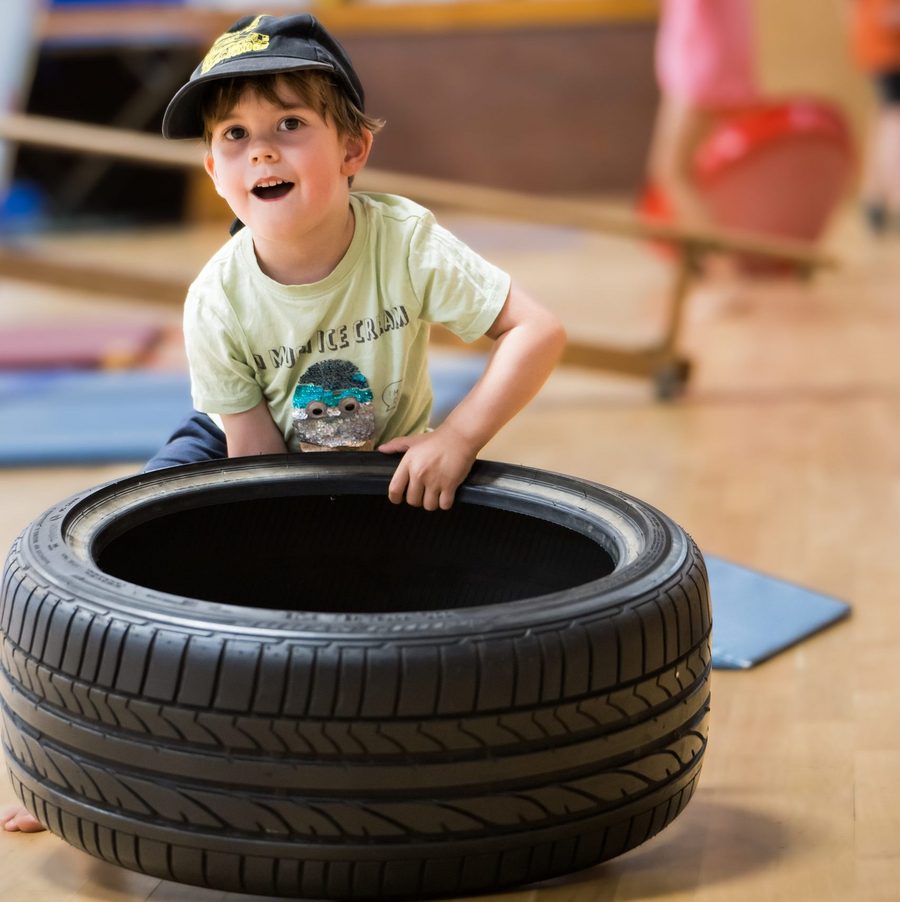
(161, 22)
(589, 216)
(100, 140)
(484, 14)
(30, 264)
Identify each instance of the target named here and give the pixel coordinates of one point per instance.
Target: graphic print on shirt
(390, 397)
(332, 408)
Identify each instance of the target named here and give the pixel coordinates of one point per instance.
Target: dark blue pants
(197, 438)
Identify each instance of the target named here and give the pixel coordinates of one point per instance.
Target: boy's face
(283, 169)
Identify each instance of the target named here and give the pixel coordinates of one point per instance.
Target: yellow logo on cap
(234, 43)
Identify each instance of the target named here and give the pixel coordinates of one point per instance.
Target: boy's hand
(432, 467)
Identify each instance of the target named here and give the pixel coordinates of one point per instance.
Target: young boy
(309, 329)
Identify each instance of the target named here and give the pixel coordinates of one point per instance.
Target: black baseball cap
(260, 45)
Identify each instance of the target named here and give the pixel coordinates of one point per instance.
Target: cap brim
(182, 118)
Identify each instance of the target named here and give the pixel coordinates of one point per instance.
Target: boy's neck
(302, 263)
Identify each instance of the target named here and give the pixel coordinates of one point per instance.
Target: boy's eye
(234, 133)
(291, 123)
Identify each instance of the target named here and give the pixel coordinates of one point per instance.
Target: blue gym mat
(87, 416)
(98, 416)
(755, 616)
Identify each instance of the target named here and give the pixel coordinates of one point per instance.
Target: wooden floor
(784, 455)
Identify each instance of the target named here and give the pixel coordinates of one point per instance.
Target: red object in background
(776, 169)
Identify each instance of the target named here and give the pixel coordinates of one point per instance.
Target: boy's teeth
(271, 188)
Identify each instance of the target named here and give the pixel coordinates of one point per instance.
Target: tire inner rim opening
(351, 554)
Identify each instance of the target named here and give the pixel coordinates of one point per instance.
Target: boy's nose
(263, 151)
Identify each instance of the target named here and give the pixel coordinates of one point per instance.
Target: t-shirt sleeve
(456, 286)
(222, 377)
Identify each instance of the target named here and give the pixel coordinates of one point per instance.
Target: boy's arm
(528, 341)
(252, 432)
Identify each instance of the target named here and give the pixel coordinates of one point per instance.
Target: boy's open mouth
(269, 189)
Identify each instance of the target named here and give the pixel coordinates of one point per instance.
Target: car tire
(259, 675)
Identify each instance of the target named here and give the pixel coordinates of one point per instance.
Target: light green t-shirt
(341, 362)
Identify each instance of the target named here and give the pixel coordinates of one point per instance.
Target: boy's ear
(210, 166)
(357, 149)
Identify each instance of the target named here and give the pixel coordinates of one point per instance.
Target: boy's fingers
(17, 819)
(415, 493)
(27, 824)
(397, 485)
(394, 446)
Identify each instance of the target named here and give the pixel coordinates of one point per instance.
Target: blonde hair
(313, 87)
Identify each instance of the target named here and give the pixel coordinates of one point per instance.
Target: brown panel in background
(549, 110)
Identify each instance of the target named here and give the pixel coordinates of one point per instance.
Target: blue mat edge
(822, 612)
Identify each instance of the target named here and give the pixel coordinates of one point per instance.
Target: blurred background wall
(550, 96)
